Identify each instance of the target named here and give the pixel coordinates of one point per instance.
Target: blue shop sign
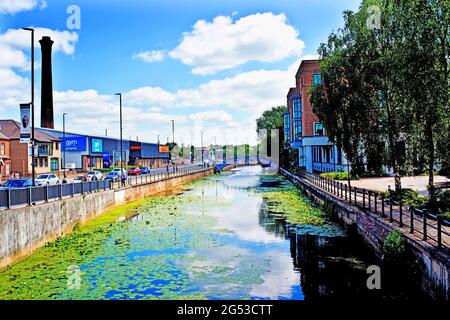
(97, 145)
(74, 144)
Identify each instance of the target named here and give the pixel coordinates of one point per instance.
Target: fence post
(401, 213)
(8, 198)
(30, 197)
(82, 187)
(60, 191)
(364, 199)
(72, 189)
(424, 222)
(368, 195)
(46, 193)
(391, 219)
(439, 231)
(375, 197)
(411, 219)
(356, 196)
(382, 205)
(345, 186)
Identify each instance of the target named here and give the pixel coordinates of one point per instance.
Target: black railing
(29, 196)
(430, 227)
(158, 176)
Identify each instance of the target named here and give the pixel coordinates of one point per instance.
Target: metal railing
(28, 196)
(430, 227)
(158, 176)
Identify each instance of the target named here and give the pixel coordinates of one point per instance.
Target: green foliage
(335, 175)
(407, 196)
(394, 245)
(366, 100)
(271, 119)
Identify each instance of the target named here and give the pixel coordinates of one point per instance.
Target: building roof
(304, 63)
(293, 91)
(11, 129)
(3, 137)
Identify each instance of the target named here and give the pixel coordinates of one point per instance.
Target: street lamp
(173, 131)
(64, 141)
(32, 107)
(121, 139)
(201, 136)
(159, 160)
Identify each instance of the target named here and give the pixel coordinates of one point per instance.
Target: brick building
(48, 153)
(5, 160)
(305, 132)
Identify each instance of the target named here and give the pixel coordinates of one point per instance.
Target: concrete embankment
(23, 230)
(434, 264)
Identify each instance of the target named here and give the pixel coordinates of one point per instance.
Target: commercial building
(85, 152)
(47, 152)
(303, 129)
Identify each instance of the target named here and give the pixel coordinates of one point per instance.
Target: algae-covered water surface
(239, 235)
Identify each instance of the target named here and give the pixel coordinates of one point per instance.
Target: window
(45, 162)
(297, 108)
(54, 165)
(318, 129)
(56, 145)
(41, 163)
(3, 149)
(287, 128)
(317, 78)
(297, 130)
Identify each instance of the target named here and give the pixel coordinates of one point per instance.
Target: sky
(211, 66)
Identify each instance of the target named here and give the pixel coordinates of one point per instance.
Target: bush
(408, 197)
(394, 246)
(335, 175)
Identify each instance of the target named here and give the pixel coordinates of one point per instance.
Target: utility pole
(121, 138)
(173, 131)
(33, 142)
(64, 141)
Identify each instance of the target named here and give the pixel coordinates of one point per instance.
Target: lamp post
(173, 131)
(32, 107)
(64, 141)
(121, 139)
(159, 160)
(201, 136)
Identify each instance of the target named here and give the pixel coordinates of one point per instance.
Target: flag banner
(25, 123)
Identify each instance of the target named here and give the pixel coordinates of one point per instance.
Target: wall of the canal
(25, 229)
(434, 264)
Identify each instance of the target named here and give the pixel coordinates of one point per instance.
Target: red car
(134, 172)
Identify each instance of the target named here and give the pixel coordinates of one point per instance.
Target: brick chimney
(46, 84)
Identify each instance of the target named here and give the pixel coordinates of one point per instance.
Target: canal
(239, 235)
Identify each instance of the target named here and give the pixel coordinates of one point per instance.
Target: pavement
(418, 183)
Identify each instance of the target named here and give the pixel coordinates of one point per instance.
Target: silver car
(46, 179)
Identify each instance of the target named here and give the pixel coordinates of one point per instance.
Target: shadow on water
(332, 263)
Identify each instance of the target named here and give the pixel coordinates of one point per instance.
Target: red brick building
(305, 131)
(5, 160)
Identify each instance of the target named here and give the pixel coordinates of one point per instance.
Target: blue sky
(217, 75)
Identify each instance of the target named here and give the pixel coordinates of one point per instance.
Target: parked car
(17, 184)
(79, 179)
(134, 171)
(46, 179)
(145, 170)
(118, 170)
(94, 175)
(113, 175)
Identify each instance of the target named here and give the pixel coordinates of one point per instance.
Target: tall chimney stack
(46, 84)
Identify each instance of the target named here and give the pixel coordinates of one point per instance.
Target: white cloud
(222, 44)
(146, 96)
(150, 56)
(14, 6)
(213, 115)
(65, 41)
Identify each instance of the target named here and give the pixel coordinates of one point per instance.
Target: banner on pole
(25, 123)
